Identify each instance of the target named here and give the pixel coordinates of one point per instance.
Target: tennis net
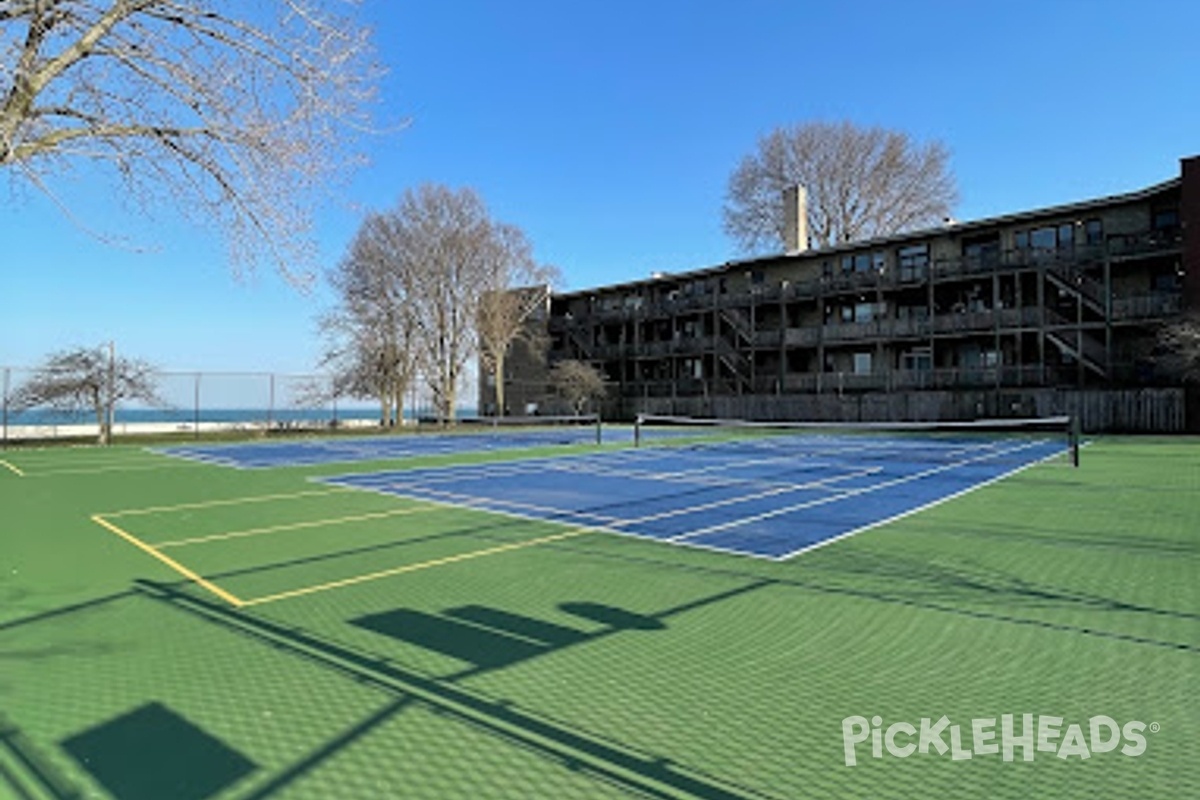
(578, 428)
(908, 440)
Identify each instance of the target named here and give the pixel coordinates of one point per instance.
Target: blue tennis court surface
(771, 498)
(329, 451)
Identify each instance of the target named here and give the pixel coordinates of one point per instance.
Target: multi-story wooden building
(1014, 315)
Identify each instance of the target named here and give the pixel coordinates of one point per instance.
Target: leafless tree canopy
(88, 379)
(861, 182)
(413, 290)
(372, 348)
(1180, 341)
(235, 112)
(578, 383)
(518, 289)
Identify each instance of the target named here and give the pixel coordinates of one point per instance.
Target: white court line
(444, 474)
(604, 463)
(101, 470)
(474, 501)
(609, 464)
(474, 506)
(290, 526)
(592, 464)
(918, 509)
(622, 522)
(199, 458)
(735, 500)
(529, 511)
(681, 479)
(850, 493)
(231, 501)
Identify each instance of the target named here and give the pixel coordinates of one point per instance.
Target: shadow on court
(487, 638)
(152, 753)
(491, 638)
(992, 595)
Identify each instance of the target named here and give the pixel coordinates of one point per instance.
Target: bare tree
(449, 255)
(578, 383)
(1180, 341)
(518, 290)
(89, 379)
(372, 348)
(237, 113)
(861, 183)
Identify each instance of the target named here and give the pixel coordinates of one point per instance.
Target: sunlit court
(552, 615)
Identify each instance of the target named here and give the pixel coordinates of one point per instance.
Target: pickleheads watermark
(1029, 734)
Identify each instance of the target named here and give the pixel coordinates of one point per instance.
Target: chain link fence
(202, 402)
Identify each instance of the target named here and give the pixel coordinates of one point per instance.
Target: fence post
(4, 411)
(1074, 436)
(333, 394)
(196, 408)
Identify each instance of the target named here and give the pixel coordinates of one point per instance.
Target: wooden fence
(1099, 411)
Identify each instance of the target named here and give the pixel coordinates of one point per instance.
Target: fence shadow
(645, 774)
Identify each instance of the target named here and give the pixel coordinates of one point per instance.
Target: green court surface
(173, 630)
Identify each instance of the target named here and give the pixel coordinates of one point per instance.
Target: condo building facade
(1044, 311)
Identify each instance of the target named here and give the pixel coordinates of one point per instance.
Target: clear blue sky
(607, 132)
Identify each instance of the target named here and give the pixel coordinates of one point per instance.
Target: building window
(864, 312)
(1165, 218)
(1047, 239)
(864, 262)
(1094, 231)
(912, 261)
(1043, 238)
(982, 252)
(918, 360)
(1166, 282)
(862, 363)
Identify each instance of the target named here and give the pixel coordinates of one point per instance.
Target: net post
(637, 431)
(1073, 436)
(599, 432)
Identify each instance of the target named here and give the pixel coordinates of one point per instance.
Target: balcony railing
(978, 378)
(1148, 243)
(802, 337)
(1154, 304)
(1117, 246)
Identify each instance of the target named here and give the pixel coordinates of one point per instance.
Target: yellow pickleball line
(437, 562)
(233, 600)
(292, 526)
(233, 501)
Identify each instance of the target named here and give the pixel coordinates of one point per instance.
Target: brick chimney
(795, 219)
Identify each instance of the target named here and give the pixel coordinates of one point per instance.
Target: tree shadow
(608, 761)
(492, 638)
